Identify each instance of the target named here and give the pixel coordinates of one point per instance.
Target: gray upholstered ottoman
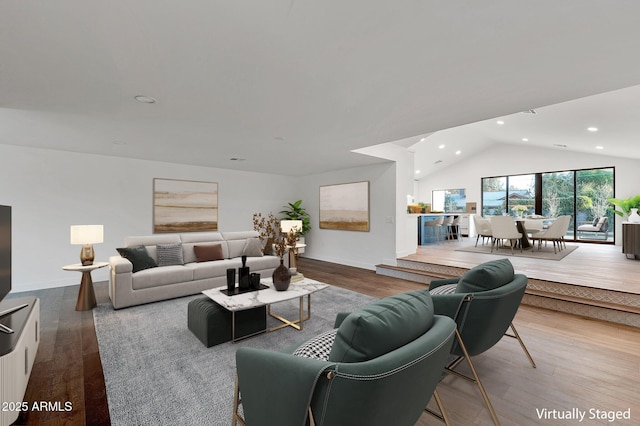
(211, 323)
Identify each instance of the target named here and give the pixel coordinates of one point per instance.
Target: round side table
(86, 295)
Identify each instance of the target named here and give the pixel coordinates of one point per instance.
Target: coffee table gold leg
(297, 324)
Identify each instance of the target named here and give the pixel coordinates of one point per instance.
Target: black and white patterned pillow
(170, 254)
(444, 289)
(319, 347)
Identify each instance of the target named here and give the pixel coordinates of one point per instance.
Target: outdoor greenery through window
(582, 194)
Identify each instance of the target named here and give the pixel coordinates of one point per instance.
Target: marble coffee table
(267, 297)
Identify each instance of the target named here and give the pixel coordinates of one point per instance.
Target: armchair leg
(524, 348)
(236, 417)
(476, 379)
(443, 416)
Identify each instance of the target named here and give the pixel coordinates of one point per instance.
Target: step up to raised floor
(609, 305)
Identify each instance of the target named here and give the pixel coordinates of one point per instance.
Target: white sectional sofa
(128, 288)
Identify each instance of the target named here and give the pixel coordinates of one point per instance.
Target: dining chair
(504, 228)
(483, 228)
(554, 233)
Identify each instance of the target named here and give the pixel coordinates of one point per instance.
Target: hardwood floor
(582, 364)
(591, 265)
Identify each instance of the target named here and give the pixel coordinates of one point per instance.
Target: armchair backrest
(484, 316)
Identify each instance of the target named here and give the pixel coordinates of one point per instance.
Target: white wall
(506, 159)
(51, 190)
(354, 248)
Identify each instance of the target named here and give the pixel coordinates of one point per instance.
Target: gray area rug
(545, 253)
(158, 373)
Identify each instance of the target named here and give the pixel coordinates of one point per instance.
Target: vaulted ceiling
(292, 86)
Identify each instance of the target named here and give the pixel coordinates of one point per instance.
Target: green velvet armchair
(382, 369)
(483, 303)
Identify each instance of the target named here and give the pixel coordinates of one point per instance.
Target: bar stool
(445, 227)
(435, 225)
(456, 226)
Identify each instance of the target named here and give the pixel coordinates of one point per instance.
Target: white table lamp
(87, 235)
(288, 225)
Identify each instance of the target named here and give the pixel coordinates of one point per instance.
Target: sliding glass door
(558, 197)
(581, 194)
(593, 189)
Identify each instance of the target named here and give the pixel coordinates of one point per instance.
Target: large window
(582, 194)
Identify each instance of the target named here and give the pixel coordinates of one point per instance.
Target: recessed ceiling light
(525, 139)
(458, 152)
(441, 146)
(417, 172)
(500, 122)
(592, 129)
(423, 139)
(145, 99)
(599, 147)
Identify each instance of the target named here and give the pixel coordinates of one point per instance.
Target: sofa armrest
(120, 265)
(120, 281)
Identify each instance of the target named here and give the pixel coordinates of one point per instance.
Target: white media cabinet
(17, 354)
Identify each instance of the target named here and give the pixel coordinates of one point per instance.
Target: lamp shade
(288, 225)
(87, 234)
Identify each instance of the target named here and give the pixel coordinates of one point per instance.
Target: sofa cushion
(383, 326)
(595, 221)
(486, 276)
(206, 270)
(265, 262)
(151, 241)
(318, 347)
(236, 240)
(169, 254)
(208, 252)
(138, 256)
(191, 239)
(252, 248)
(164, 275)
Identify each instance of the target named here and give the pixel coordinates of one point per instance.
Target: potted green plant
(626, 206)
(296, 212)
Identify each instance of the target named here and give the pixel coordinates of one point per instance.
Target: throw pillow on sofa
(253, 248)
(208, 252)
(138, 256)
(170, 254)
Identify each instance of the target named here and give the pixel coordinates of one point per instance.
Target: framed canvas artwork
(184, 206)
(345, 206)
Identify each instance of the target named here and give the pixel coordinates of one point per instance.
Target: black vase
(281, 277)
(243, 278)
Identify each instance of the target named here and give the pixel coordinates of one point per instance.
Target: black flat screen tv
(5, 251)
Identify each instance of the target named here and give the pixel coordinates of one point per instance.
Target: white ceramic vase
(633, 216)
